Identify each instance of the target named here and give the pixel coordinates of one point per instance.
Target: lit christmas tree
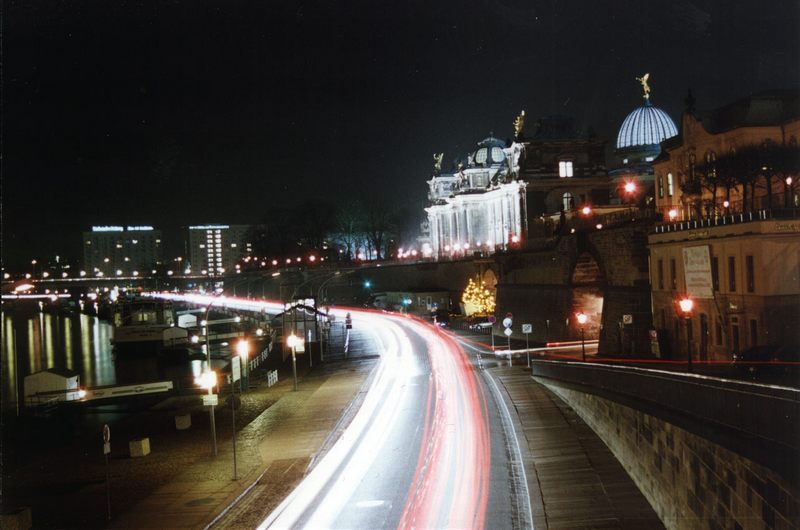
(477, 299)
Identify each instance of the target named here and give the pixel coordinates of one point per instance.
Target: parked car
(481, 326)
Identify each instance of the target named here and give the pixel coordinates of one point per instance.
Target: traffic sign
(236, 368)
(627, 319)
(210, 400)
(492, 319)
(508, 332)
(107, 448)
(106, 433)
(527, 328)
(507, 322)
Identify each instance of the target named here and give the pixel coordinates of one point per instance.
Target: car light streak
(450, 486)
(451, 483)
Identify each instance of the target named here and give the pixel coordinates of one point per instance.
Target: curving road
(431, 447)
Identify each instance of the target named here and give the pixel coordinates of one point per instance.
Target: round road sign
(106, 433)
(492, 319)
(507, 322)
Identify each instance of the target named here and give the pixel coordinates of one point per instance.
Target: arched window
(670, 185)
(568, 201)
(660, 186)
(692, 162)
(711, 166)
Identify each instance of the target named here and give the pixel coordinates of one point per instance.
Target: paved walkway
(574, 480)
(273, 452)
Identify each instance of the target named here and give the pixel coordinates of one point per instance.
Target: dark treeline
(348, 230)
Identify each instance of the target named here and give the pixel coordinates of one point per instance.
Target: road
(431, 447)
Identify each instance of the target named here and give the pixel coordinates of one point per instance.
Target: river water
(34, 341)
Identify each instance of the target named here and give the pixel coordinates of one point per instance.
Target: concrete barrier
(139, 447)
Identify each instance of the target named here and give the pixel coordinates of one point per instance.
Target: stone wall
(691, 482)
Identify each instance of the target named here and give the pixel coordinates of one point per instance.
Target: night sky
(181, 112)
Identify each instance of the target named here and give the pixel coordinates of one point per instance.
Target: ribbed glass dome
(646, 125)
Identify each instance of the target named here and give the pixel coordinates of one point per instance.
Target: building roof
(772, 107)
(646, 125)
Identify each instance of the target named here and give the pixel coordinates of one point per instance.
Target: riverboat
(143, 325)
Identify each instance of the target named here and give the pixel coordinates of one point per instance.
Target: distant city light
(107, 229)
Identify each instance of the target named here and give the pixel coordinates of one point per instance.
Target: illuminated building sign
(208, 227)
(107, 229)
(140, 228)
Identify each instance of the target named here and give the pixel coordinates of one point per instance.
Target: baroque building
(730, 236)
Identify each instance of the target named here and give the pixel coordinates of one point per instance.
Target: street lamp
(630, 190)
(292, 341)
(582, 319)
(242, 350)
(686, 305)
(208, 380)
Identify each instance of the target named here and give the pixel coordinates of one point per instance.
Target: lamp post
(291, 341)
(686, 305)
(582, 319)
(242, 349)
(208, 380)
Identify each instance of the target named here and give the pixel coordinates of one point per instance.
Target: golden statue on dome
(645, 86)
(519, 123)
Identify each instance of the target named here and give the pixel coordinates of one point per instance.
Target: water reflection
(38, 341)
(34, 341)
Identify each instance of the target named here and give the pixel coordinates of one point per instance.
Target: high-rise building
(215, 248)
(121, 250)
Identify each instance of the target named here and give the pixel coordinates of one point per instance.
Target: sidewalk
(574, 480)
(273, 453)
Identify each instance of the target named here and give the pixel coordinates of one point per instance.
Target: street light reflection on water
(38, 341)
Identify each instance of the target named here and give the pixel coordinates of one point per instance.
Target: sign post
(106, 451)
(492, 320)
(527, 329)
(507, 323)
(236, 375)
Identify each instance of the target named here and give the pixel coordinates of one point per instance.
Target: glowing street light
(673, 214)
(686, 306)
(586, 210)
(582, 320)
(208, 380)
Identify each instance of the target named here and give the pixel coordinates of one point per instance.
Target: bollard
(139, 447)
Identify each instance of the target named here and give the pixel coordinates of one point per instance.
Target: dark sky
(187, 111)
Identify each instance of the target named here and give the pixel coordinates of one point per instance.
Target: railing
(723, 220)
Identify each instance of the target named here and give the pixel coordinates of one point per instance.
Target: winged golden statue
(437, 159)
(519, 123)
(645, 86)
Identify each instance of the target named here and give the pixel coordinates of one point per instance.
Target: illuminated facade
(481, 206)
(121, 250)
(214, 249)
(727, 242)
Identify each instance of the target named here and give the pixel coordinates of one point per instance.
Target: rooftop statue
(437, 159)
(519, 123)
(645, 86)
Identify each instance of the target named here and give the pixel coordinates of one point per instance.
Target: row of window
(706, 337)
(750, 277)
(670, 186)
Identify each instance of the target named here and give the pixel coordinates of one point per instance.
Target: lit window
(135, 241)
(497, 154)
(649, 159)
(670, 188)
(565, 168)
(202, 246)
(567, 201)
(233, 245)
(661, 186)
(481, 155)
